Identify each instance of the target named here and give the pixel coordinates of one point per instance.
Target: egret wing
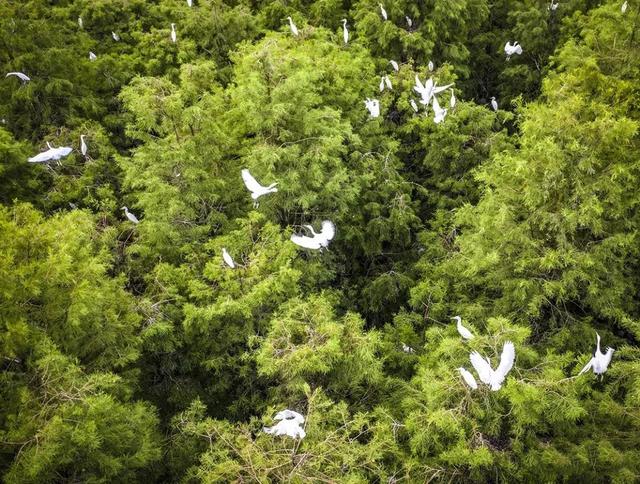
(482, 367)
(506, 360)
(250, 182)
(439, 89)
(468, 378)
(44, 156)
(328, 231)
(586, 367)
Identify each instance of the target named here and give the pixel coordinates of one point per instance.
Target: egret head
(124, 208)
(344, 22)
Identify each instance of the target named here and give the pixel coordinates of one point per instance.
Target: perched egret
(464, 332)
(345, 32)
(174, 36)
(51, 154)
(623, 9)
(430, 66)
(83, 146)
(20, 75)
(319, 240)
(395, 65)
(115, 36)
(289, 423)
(383, 12)
(381, 87)
(292, 26)
(494, 103)
(438, 113)
(92, 56)
(600, 361)
(409, 21)
(373, 105)
(255, 188)
(428, 89)
(413, 105)
(489, 376)
(228, 259)
(190, 3)
(512, 49)
(407, 349)
(468, 378)
(452, 102)
(80, 24)
(553, 6)
(130, 216)
(387, 82)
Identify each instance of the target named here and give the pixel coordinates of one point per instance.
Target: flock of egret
(289, 423)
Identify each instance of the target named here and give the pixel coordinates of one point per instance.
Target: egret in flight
(452, 102)
(20, 75)
(428, 89)
(83, 146)
(51, 154)
(512, 49)
(115, 36)
(489, 376)
(255, 188)
(345, 32)
(319, 240)
(373, 105)
(174, 36)
(395, 65)
(600, 361)
(383, 12)
(464, 332)
(494, 103)
(228, 259)
(438, 113)
(92, 56)
(289, 423)
(469, 378)
(130, 216)
(292, 26)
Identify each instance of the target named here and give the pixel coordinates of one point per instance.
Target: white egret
(428, 89)
(452, 102)
(92, 56)
(83, 146)
(190, 3)
(383, 12)
(345, 32)
(468, 378)
(494, 103)
(319, 240)
(464, 332)
(600, 361)
(373, 105)
(289, 423)
(387, 81)
(623, 9)
(430, 66)
(292, 26)
(395, 65)
(51, 154)
(553, 6)
(20, 75)
(228, 259)
(130, 216)
(407, 349)
(489, 376)
(381, 87)
(255, 188)
(80, 24)
(174, 36)
(438, 113)
(115, 36)
(409, 21)
(413, 105)
(512, 49)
